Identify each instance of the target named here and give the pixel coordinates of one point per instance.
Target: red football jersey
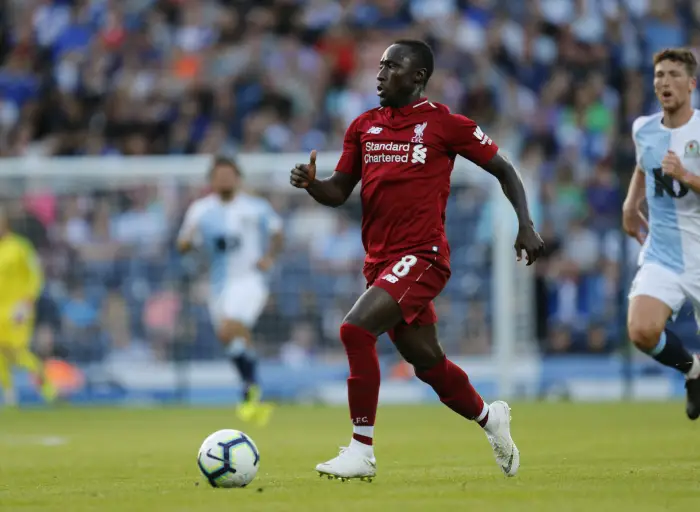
(404, 157)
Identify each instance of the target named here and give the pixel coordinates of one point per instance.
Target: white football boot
(350, 463)
(498, 433)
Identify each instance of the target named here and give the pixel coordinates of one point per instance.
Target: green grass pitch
(575, 457)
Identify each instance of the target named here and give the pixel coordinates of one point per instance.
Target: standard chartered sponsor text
(384, 158)
(387, 146)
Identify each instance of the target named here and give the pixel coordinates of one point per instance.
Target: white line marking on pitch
(36, 440)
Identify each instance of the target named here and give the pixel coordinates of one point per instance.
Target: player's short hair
(422, 53)
(682, 56)
(221, 160)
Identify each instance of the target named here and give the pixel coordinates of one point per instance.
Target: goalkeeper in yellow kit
(21, 281)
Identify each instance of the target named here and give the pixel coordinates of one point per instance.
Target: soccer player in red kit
(403, 153)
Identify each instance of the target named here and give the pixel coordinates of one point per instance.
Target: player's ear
(693, 83)
(420, 76)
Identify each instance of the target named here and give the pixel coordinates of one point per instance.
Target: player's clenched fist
(304, 174)
(530, 242)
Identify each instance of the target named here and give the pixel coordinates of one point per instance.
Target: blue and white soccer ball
(228, 458)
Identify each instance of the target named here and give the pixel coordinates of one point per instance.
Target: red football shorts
(413, 281)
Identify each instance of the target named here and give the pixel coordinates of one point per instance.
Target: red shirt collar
(406, 109)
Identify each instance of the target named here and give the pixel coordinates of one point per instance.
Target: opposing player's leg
(419, 346)
(21, 336)
(656, 293)
(692, 383)
(239, 308)
(27, 360)
(375, 312)
(238, 340)
(9, 394)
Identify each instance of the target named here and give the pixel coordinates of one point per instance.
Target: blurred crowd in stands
(557, 82)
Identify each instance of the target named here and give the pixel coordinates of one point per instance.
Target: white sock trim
(483, 414)
(364, 431)
(236, 347)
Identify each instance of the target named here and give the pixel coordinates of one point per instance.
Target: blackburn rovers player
(403, 153)
(667, 175)
(241, 235)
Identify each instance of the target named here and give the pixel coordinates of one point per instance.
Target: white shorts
(667, 286)
(242, 300)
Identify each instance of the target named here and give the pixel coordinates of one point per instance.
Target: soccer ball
(228, 458)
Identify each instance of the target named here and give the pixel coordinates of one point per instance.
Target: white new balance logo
(419, 152)
(375, 130)
(482, 137)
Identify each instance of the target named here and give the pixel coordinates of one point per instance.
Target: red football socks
(455, 391)
(363, 383)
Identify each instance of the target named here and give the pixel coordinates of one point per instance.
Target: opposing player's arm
(635, 191)
(34, 282)
(633, 221)
(672, 166)
(336, 189)
(692, 182)
(186, 237)
(276, 241)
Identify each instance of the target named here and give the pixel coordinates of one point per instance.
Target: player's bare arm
(185, 243)
(332, 191)
(528, 239)
(634, 223)
(672, 166)
(188, 232)
(276, 244)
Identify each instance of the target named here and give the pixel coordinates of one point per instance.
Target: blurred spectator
(81, 327)
(298, 351)
(338, 252)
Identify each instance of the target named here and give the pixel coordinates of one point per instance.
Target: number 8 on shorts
(403, 267)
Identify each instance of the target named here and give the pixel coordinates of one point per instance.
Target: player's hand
(304, 174)
(672, 166)
(634, 223)
(22, 312)
(531, 242)
(185, 242)
(265, 263)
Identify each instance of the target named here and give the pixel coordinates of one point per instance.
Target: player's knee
(645, 333)
(426, 362)
(363, 318)
(354, 319)
(231, 329)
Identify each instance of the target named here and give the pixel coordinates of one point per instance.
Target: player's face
(398, 78)
(224, 180)
(673, 85)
